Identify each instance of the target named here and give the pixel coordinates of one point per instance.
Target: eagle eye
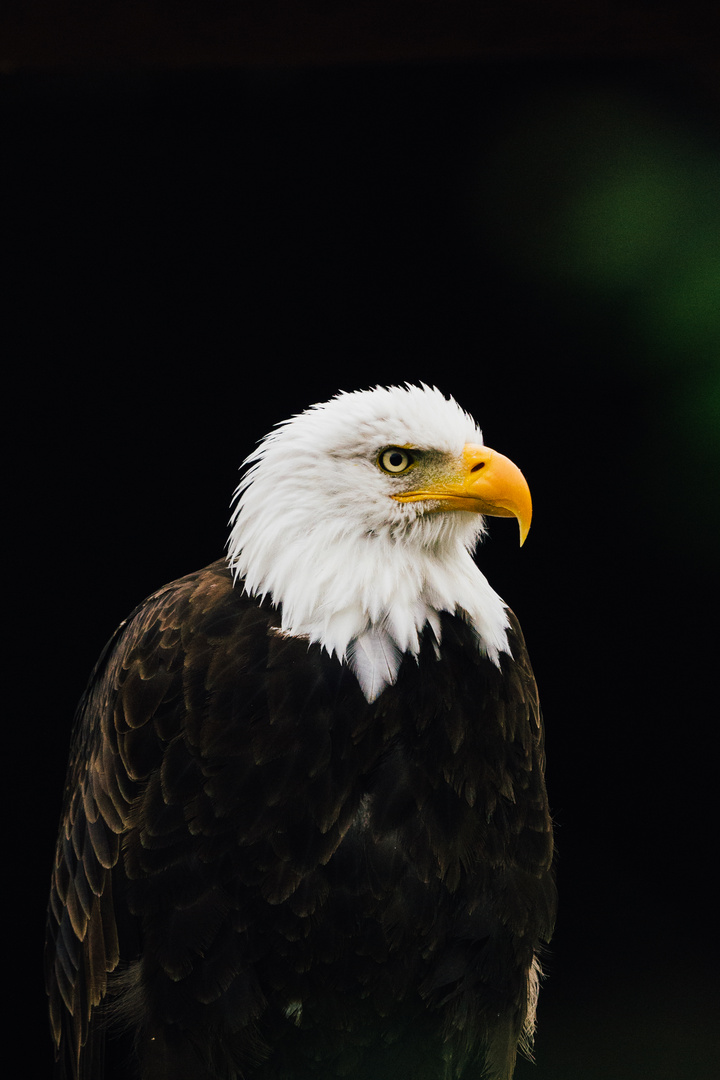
(395, 460)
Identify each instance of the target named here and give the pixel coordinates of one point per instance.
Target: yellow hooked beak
(485, 482)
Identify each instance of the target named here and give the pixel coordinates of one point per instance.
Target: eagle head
(358, 518)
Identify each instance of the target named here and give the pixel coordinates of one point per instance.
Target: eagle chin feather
(375, 660)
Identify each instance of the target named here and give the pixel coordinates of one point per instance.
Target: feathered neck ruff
(314, 529)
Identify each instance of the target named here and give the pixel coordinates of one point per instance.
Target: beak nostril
(476, 468)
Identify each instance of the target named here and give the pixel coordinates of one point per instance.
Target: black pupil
(397, 459)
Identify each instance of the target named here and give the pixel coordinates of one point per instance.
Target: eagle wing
(114, 750)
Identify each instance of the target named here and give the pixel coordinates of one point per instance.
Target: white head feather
(316, 529)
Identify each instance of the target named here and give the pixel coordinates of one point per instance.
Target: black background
(192, 257)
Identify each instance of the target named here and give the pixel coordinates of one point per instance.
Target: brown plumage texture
(261, 875)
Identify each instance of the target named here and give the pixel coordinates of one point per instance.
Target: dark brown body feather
(261, 875)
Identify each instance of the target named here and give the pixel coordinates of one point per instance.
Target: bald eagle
(305, 831)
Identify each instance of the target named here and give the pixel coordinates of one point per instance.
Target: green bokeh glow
(610, 202)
